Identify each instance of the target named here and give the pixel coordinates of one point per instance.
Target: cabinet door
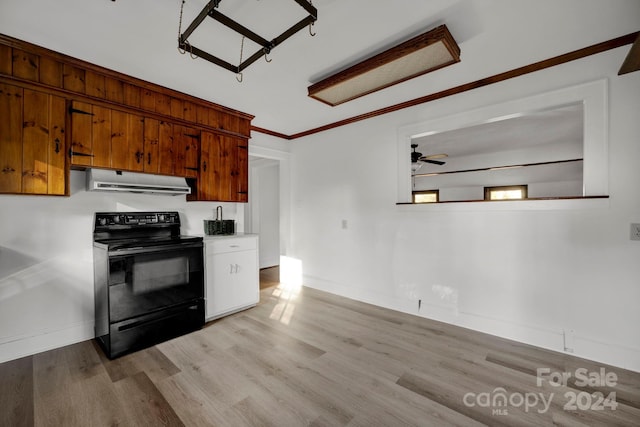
(166, 150)
(126, 141)
(186, 142)
(206, 176)
(100, 137)
(57, 179)
(224, 168)
(118, 140)
(32, 142)
(135, 139)
(81, 133)
(151, 145)
(232, 282)
(35, 141)
(241, 176)
(106, 138)
(11, 101)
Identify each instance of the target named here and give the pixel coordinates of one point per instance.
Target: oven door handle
(154, 249)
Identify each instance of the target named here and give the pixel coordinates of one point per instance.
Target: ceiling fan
(417, 157)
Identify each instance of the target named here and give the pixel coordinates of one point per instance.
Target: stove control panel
(114, 219)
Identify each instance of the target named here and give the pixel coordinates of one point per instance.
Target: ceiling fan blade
(435, 162)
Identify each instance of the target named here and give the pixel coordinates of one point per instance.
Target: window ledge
(557, 203)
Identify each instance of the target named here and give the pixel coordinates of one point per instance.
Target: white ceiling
(139, 38)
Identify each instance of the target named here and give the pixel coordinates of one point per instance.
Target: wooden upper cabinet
(106, 138)
(224, 168)
(115, 122)
(32, 142)
(127, 142)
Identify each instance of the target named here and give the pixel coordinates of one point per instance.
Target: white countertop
(227, 236)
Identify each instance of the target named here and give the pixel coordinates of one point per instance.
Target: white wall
(525, 272)
(46, 261)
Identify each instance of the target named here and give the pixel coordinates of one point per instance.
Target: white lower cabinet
(231, 274)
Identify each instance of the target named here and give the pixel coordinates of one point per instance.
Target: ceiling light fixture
(266, 46)
(427, 52)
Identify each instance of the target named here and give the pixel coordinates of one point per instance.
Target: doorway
(262, 213)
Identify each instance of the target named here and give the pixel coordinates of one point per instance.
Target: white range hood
(132, 182)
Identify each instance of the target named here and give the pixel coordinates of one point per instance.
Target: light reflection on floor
(288, 289)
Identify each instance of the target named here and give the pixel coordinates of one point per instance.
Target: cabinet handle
(204, 166)
(148, 158)
(57, 141)
(139, 156)
(230, 268)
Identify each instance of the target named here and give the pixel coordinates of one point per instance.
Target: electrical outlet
(635, 231)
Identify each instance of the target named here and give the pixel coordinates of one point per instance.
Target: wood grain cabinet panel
(11, 102)
(100, 137)
(147, 99)
(5, 60)
(113, 139)
(81, 133)
(73, 78)
(131, 95)
(127, 142)
(94, 84)
(50, 72)
(57, 182)
(35, 140)
(25, 65)
(114, 90)
(151, 135)
(166, 162)
(224, 169)
(186, 143)
(241, 172)
(32, 142)
(118, 141)
(135, 137)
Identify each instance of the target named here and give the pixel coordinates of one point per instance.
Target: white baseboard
(21, 346)
(604, 352)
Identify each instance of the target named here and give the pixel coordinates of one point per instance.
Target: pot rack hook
(266, 58)
(191, 51)
(311, 32)
(239, 77)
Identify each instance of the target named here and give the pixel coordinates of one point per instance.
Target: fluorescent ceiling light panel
(427, 52)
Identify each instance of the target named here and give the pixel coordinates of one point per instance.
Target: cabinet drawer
(217, 246)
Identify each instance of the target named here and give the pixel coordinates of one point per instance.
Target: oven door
(146, 280)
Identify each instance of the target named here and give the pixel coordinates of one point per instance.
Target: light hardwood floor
(305, 357)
